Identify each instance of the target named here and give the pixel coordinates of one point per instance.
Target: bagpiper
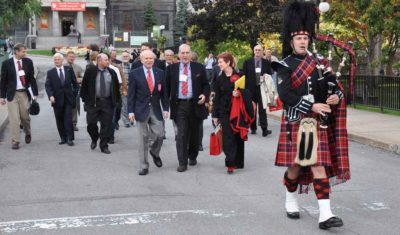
(313, 142)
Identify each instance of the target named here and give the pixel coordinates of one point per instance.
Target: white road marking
(105, 220)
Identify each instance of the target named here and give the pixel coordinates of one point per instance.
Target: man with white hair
(188, 91)
(169, 57)
(60, 82)
(146, 91)
(100, 93)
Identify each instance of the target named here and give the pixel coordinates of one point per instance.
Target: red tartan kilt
(286, 152)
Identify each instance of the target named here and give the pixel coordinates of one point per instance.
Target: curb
(391, 147)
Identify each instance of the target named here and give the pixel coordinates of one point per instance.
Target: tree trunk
(389, 66)
(374, 54)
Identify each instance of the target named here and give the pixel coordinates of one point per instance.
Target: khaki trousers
(18, 113)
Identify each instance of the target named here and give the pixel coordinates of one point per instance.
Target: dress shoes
(93, 145)
(266, 132)
(28, 139)
(111, 141)
(15, 145)
(293, 215)
(181, 168)
(253, 132)
(201, 147)
(63, 141)
(192, 162)
(70, 143)
(105, 150)
(117, 126)
(143, 172)
(331, 222)
(157, 160)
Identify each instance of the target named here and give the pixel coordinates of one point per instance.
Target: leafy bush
(240, 50)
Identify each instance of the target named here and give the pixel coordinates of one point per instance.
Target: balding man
(254, 68)
(100, 93)
(60, 86)
(188, 91)
(146, 91)
(157, 63)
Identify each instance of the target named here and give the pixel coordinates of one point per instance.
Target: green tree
(182, 16)
(149, 17)
(21, 10)
(217, 21)
(373, 24)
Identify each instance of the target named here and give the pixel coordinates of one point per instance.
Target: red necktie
(22, 78)
(150, 81)
(184, 84)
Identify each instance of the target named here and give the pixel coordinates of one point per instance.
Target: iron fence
(375, 91)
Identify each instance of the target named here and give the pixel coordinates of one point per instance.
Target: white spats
(291, 204)
(324, 210)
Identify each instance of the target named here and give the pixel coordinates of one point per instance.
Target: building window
(164, 20)
(138, 24)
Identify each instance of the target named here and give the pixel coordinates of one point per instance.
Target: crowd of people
(144, 90)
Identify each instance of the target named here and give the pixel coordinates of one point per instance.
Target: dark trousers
(118, 111)
(233, 145)
(64, 121)
(187, 137)
(262, 113)
(201, 132)
(103, 112)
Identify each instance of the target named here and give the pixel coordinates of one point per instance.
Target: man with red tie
(145, 93)
(188, 89)
(17, 77)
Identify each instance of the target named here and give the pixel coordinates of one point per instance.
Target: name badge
(183, 78)
(21, 73)
(258, 70)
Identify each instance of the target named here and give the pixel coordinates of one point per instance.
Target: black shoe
(266, 132)
(70, 143)
(331, 222)
(76, 128)
(157, 160)
(201, 147)
(181, 168)
(111, 141)
(253, 132)
(164, 137)
(63, 141)
(93, 145)
(143, 172)
(105, 150)
(28, 139)
(117, 126)
(127, 125)
(293, 215)
(192, 162)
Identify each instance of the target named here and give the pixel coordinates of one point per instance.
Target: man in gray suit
(145, 93)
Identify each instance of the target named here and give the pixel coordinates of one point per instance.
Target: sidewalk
(370, 128)
(3, 117)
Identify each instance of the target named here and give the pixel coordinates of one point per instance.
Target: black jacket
(62, 94)
(88, 88)
(200, 86)
(8, 83)
(249, 70)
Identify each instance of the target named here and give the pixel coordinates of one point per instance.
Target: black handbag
(35, 108)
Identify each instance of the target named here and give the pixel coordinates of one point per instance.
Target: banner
(68, 6)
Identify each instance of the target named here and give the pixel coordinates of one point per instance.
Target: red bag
(216, 143)
(277, 107)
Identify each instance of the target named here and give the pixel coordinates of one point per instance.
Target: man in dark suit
(188, 91)
(100, 93)
(253, 69)
(60, 86)
(157, 63)
(17, 77)
(146, 91)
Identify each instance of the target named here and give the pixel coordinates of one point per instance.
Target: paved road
(50, 189)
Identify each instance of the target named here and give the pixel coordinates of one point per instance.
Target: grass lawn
(378, 110)
(40, 52)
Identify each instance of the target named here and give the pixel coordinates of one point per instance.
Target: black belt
(103, 98)
(21, 90)
(185, 100)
